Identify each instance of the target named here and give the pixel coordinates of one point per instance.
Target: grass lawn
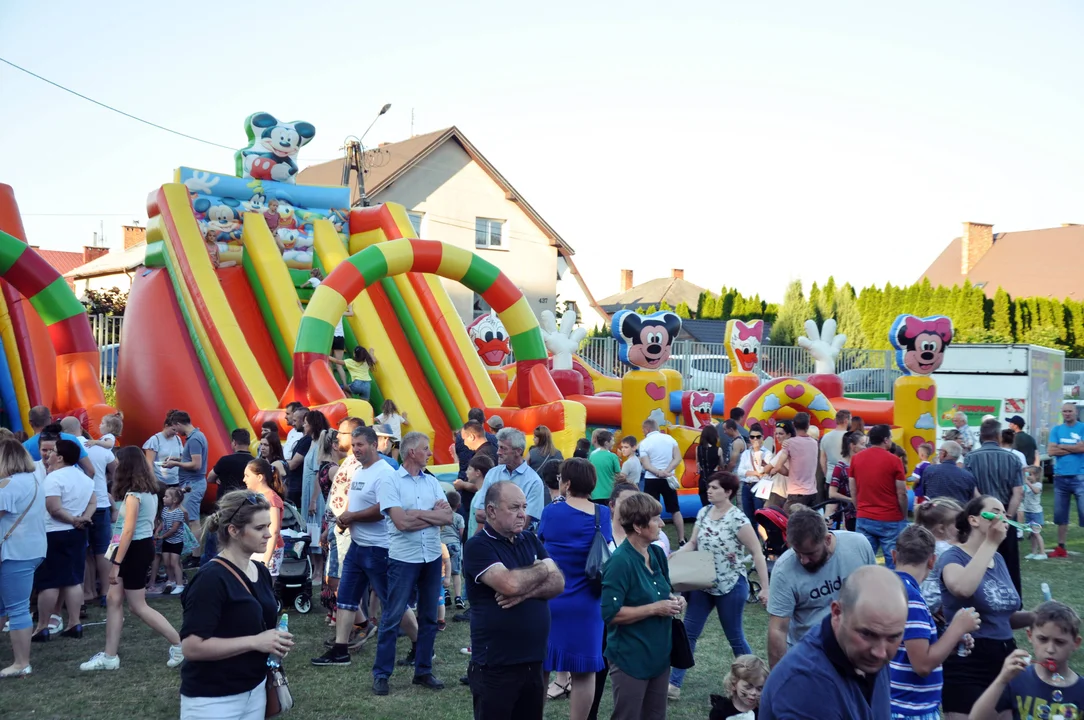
(145, 688)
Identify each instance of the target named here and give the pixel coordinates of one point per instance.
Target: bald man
(843, 663)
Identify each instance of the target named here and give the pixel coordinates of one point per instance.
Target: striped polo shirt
(913, 694)
(997, 471)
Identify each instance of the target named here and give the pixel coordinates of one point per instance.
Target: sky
(747, 143)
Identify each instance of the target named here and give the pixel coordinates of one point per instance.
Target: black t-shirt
(723, 709)
(1026, 445)
(230, 470)
(504, 637)
(294, 477)
(216, 605)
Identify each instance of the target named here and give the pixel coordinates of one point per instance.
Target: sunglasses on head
(251, 499)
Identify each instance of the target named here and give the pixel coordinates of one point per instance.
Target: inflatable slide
(49, 356)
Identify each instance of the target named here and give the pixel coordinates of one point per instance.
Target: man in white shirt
(832, 444)
(967, 436)
(297, 429)
(365, 565)
(660, 457)
(101, 526)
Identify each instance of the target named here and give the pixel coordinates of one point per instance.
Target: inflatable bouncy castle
(49, 356)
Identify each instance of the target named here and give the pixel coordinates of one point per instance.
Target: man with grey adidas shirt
(808, 576)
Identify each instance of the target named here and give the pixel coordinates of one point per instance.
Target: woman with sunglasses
(261, 479)
(752, 468)
(229, 609)
(131, 559)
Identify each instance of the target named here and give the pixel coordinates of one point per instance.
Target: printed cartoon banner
(974, 408)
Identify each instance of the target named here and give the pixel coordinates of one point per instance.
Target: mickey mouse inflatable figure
(645, 341)
(271, 153)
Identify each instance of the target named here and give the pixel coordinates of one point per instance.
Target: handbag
(597, 557)
(279, 697)
(692, 570)
(681, 655)
(34, 499)
(190, 542)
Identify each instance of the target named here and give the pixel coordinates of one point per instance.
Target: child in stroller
(294, 582)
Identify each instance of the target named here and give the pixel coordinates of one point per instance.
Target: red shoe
(1058, 552)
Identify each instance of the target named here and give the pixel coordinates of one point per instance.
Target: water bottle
(1047, 596)
(961, 649)
(284, 626)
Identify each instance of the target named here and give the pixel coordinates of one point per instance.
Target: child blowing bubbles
(1043, 687)
(1033, 510)
(743, 684)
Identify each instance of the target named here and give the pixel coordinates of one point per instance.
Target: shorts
(455, 555)
(966, 678)
(175, 547)
(658, 487)
(100, 532)
(194, 498)
(1034, 518)
(136, 563)
(1065, 487)
(65, 560)
(338, 343)
(353, 579)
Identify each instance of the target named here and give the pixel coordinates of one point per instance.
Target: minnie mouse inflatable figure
(920, 342)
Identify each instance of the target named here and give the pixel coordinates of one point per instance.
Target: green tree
(105, 302)
(682, 311)
(792, 315)
(848, 319)
(664, 306)
(1001, 322)
(701, 304)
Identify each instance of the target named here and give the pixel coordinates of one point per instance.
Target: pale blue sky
(749, 143)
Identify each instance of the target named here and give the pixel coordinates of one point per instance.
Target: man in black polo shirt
(510, 577)
(1022, 441)
(229, 471)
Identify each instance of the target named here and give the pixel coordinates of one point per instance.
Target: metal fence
(1074, 365)
(107, 330)
(704, 365)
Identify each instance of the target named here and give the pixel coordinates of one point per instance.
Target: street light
(355, 154)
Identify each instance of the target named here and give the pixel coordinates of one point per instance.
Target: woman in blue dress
(566, 530)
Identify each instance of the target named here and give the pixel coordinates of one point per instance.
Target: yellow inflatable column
(674, 383)
(916, 413)
(643, 392)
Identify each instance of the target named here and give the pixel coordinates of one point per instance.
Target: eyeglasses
(755, 437)
(251, 499)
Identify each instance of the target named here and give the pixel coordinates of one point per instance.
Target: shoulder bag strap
(597, 513)
(22, 514)
(233, 572)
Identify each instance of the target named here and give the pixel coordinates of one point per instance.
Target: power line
(110, 107)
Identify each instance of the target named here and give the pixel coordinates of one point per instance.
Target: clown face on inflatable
(742, 341)
(490, 339)
(645, 341)
(920, 342)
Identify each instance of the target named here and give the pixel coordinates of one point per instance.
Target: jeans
(361, 388)
(750, 503)
(729, 607)
(16, 582)
(1065, 486)
(882, 534)
(194, 498)
(504, 692)
(101, 532)
(403, 579)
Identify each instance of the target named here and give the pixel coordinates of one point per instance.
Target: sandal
(563, 691)
(56, 623)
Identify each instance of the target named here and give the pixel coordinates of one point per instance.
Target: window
(481, 307)
(416, 221)
(488, 233)
(570, 306)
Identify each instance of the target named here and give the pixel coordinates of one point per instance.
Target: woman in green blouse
(637, 607)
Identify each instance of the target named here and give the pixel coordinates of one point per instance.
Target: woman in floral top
(723, 530)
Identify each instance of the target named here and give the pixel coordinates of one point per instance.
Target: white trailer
(1002, 380)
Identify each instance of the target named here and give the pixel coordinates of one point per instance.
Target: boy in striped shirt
(915, 672)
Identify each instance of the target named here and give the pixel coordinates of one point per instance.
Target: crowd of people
(560, 566)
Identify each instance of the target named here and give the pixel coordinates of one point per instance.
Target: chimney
(93, 252)
(978, 238)
(677, 274)
(134, 235)
(626, 280)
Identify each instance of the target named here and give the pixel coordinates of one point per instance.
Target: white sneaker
(1039, 556)
(101, 661)
(464, 651)
(176, 657)
(673, 692)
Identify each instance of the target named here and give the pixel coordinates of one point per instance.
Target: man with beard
(840, 670)
(808, 577)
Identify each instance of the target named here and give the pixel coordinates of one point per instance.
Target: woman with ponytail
(229, 608)
(328, 456)
(261, 479)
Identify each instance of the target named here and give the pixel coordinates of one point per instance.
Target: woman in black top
(228, 628)
(709, 458)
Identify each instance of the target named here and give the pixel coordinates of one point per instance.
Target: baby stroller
(771, 525)
(294, 583)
